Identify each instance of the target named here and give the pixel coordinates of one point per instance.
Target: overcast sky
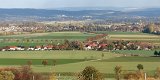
(78, 3)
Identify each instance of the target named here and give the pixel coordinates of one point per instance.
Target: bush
(131, 76)
(6, 75)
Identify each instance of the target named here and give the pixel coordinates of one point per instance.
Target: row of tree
(89, 73)
(44, 62)
(151, 29)
(21, 73)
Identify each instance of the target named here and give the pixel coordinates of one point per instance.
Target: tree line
(88, 73)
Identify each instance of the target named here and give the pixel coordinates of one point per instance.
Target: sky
(51, 4)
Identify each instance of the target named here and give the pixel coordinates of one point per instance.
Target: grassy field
(133, 36)
(133, 59)
(38, 61)
(121, 33)
(136, 37)
(137, 52)
(59, 37)
(56, 54)
(49, 35)
(42, 38)
(67, 59)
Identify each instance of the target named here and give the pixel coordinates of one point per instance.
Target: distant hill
(44, 14)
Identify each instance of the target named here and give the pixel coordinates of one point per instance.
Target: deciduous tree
(90, 73)
(118, 70)
(45, 62)
(140, 67)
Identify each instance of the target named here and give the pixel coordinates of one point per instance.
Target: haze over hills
(75, 13)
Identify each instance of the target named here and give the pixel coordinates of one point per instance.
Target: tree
(54, 62)
(157, 73)
(140, 67)
(6, 75)
(151, 28)
(66, 44)
(156, 53)
(118, 70)
(52, 77)
(102, 55)
(110, 47)
(81, 46)
(90, 73)
(159, 53)
(45, 62)
(29, 63)
(26, 73)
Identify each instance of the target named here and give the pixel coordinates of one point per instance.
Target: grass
(18, 58)
(55, 54)
(132, 36)
(106, 67)
(59, 37)
(121, 33)
(133, 59)
(51, 35)
(139, 52)
(74, 61)
(40, 38)
(38, 61)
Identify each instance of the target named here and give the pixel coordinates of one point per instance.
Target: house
(61, 47)
(48, 47)
(20, 48)
(37, 48)
(91, 45)
(12, 48)
(30, 48)
(102, 46)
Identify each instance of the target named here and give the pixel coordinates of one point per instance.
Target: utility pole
(145, 76)
(59, 77)
(33, 77)
(92, 76)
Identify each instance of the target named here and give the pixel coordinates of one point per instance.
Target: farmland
(133, 36)
(74, 61)
(42, 38)
(66, 60)
(59, 37)
(138, 52)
